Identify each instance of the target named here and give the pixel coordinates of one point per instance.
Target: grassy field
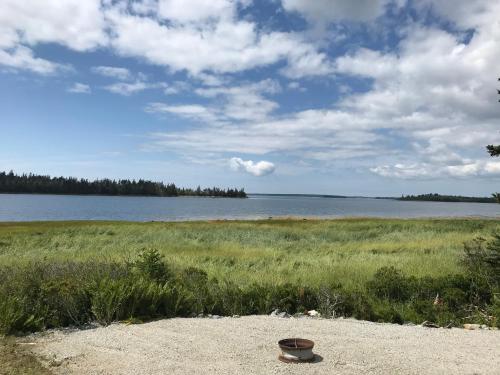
(61, 273)
(275, 251)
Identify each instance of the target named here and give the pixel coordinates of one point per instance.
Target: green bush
(150, 264)
(389, 283)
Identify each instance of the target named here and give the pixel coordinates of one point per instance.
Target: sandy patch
(248, 345)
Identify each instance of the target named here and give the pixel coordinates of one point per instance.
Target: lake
(28, 207)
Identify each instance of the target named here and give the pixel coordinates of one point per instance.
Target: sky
(352, 97)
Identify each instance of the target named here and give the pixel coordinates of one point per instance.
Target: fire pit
(296, 350)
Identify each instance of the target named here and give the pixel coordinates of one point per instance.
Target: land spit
(248, 345)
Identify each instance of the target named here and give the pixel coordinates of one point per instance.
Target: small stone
(472, 327)
(313, 313)
(275, 312)
(235, 316)
(216, 317)
(429, 324)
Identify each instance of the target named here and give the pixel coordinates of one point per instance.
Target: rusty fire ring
(296, 350)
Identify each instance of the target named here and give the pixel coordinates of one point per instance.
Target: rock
(472, 327)
(280, 314)
(235, 316)
(313, 313)
(275, 312)
(429, 324)
(215, 317)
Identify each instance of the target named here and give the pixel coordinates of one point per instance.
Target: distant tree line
(31, 183)
(446, 198)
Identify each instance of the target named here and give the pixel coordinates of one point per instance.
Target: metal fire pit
(296, 350)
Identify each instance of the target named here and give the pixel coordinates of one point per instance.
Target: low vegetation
(60, 274)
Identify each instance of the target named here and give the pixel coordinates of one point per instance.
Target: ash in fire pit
(296, 350)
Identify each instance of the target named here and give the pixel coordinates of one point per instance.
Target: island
(447, 198)
(40, 184)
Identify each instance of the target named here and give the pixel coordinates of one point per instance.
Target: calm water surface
(25, 207)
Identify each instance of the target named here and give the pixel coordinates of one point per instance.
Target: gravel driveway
(248, 345)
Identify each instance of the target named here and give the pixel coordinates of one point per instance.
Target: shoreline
(257, 219)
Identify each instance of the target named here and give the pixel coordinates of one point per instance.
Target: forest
(39, 184)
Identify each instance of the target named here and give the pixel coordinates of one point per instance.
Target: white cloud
(79, 88)
(261, 168)
(76, 24)
(192, 111)
(425, 170)
(129, 88)
(21, 57)
(225, 45)
(336, 10)
(202, 38)
(113, 72)
(196, 11)
(245, 102)
(432, 97)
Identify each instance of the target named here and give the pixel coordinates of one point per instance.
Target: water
(25, 207)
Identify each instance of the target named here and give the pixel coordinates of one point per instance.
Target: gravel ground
(248, 345)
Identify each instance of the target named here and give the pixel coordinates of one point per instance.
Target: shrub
(67, 302)
(482, 259)
(389, 283)
(108, 299)
(15, 316)
(150, 264)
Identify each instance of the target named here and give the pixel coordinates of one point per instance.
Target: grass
(56, 274)
(275, 251)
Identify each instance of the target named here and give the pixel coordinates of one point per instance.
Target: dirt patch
(16, 359)
(248, 345)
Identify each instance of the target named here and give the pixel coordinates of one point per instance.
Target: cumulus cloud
(76, 24)
(79, 88)
(22, 58)
(223, 45)
(430, 95)
(336, 10)
(425, 170)
(261, 168)
(205, 37)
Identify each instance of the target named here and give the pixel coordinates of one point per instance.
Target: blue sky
(366, 97)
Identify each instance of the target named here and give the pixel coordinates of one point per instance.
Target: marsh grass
(68, 273)
(275, 251)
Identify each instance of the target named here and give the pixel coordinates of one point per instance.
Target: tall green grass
(70, 273)
(274, 251)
